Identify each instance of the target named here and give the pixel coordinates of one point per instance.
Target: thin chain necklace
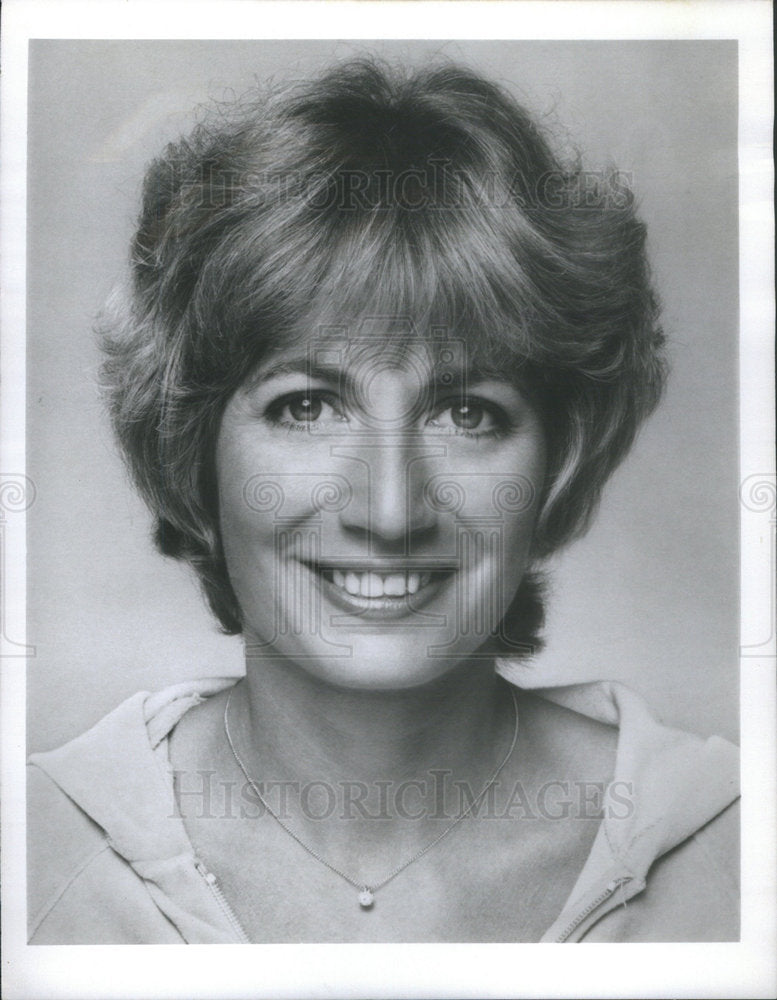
(367, 892)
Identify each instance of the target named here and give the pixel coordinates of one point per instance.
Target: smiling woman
(379, 354)
(397, 563)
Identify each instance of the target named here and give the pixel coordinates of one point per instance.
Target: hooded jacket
(122, 870)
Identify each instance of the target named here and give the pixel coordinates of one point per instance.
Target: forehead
(432, 353)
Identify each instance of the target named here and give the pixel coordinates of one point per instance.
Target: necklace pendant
(366, 898)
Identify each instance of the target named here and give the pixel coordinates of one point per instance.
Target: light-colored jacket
(110, 862)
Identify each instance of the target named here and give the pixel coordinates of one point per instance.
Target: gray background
(649, 597)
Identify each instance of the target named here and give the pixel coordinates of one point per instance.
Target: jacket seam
(630, 888)
(194, 699)
(48, 907)
(712, 864)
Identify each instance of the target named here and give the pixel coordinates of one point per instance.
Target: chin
(371, 662)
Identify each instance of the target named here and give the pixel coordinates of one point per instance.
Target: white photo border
(744, 969)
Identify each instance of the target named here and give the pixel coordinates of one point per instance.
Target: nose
(388, 475)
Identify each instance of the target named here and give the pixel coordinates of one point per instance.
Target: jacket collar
(118, 773)
(673, 783)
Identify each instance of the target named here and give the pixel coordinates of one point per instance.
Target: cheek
(265, 509)
(514, 503)
(525, 501)
(245, 509)
(508, 500)
(235, 515)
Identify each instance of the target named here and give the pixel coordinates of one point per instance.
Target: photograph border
(744, 969)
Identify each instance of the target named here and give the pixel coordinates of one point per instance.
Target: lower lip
(385, 608)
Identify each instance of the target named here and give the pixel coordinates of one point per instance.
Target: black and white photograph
(385, 503)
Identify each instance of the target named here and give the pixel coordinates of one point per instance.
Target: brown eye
(305, 408)
(467, 416)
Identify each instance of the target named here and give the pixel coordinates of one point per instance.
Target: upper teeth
(380, 584)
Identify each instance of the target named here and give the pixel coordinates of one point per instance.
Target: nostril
(388, 499)
(389, 519)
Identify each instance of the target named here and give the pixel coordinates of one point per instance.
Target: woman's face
(377, 506)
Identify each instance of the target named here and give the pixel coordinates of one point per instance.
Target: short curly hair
(376, 190)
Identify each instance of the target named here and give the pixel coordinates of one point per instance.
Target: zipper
(608, 891)
(221, 899)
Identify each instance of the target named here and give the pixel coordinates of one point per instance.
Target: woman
(380, 353)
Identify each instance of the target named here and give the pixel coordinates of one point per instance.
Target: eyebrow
(457, 376)
(301, 366)
(333, 374)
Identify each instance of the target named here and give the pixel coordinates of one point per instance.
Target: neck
(370, 755)
(292, 726)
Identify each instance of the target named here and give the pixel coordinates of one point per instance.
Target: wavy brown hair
(376, 191)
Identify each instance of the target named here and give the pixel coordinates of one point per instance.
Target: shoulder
(49, 808)
(119, 766)
(610, 718)
(563, 743)
(99, 789)
(670, 827)
(79, 890)
(691, 892)
(718, 844)
(54, 862)
(108, 795)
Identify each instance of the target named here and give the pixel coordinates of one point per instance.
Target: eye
(300, 409)
(467, 416)
(305, 408)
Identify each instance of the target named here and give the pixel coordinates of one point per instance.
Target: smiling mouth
(371, 584)
(385, 585)
(382, 594)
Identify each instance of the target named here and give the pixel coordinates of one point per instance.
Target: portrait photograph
(388, 515)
